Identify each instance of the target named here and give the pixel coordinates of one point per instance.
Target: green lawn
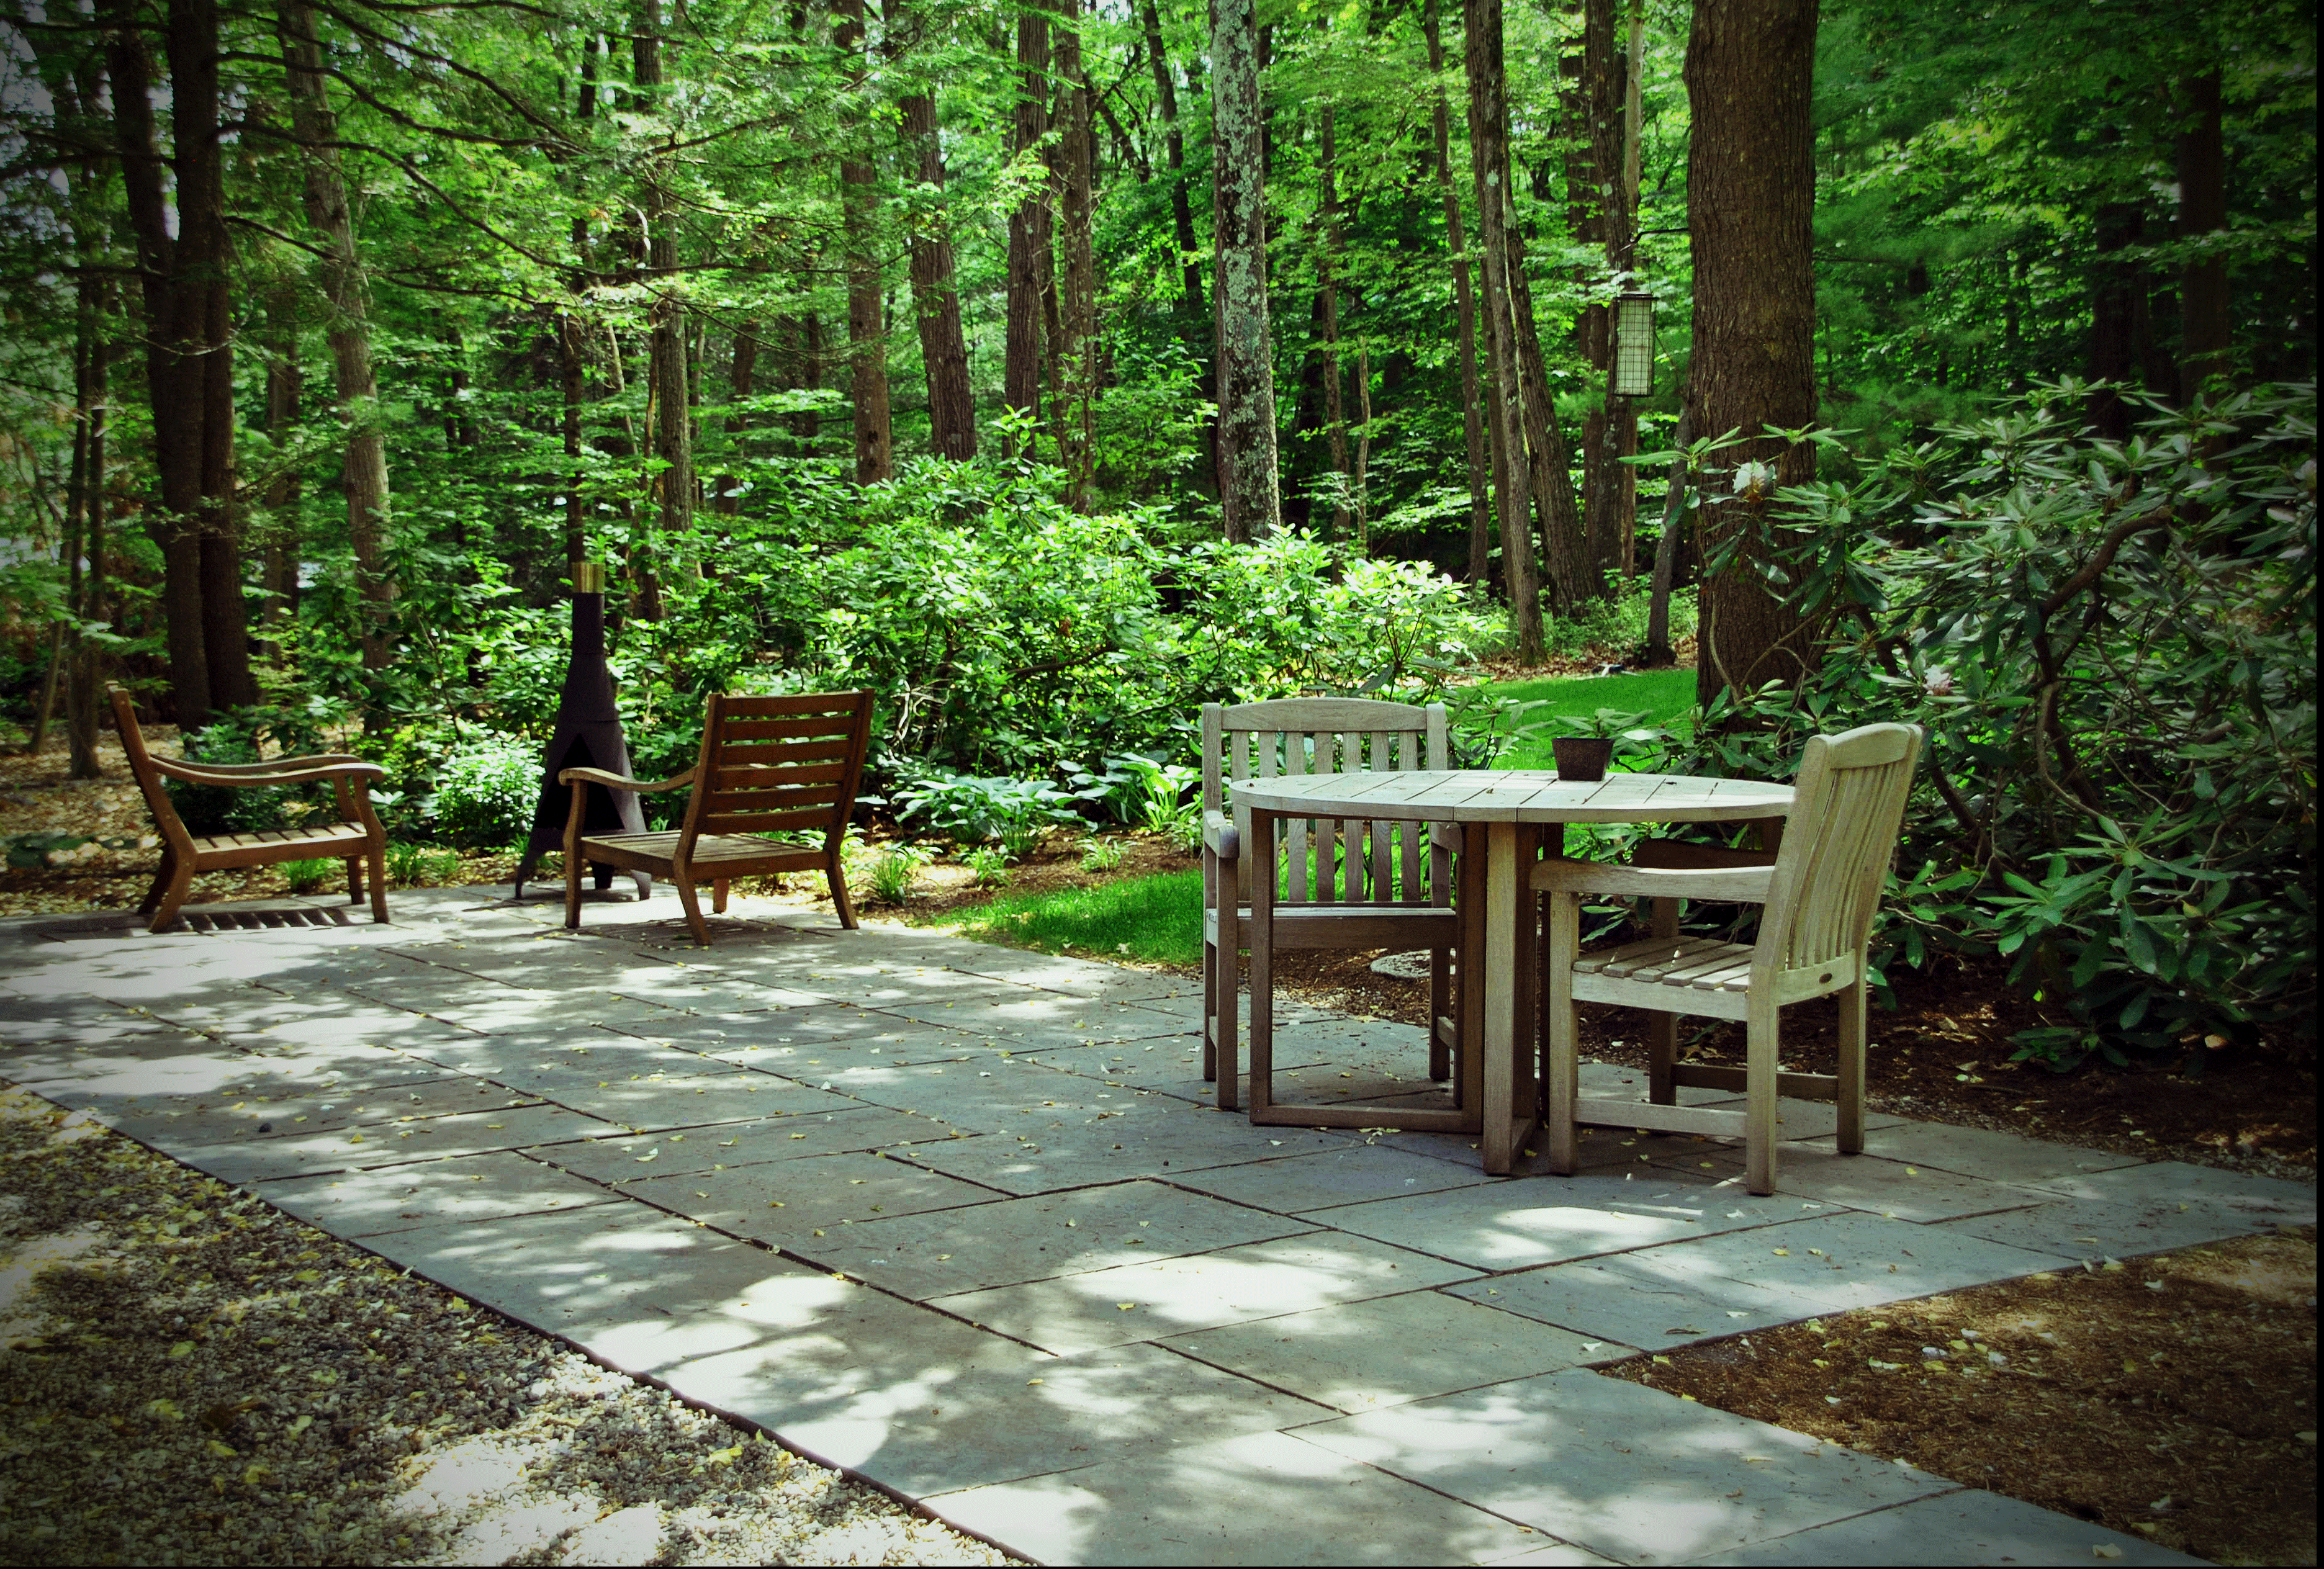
(1158, 919)
(1665, 698)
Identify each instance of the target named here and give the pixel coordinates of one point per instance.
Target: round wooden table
(1495, 1096)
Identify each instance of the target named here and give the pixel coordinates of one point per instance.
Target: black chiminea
(588, 735)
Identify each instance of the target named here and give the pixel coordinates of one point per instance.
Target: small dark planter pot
(1582, 757)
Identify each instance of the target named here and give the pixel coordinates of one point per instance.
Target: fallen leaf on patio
(1782, 1252)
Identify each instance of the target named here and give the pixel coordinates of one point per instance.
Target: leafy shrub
(895, 871)
(419, 865)
(487, 789)
(989, 864)
(2112, 645)
(1013, 812)
(240, 735)
(1616, 624)
(307, 876)
(1101, 854)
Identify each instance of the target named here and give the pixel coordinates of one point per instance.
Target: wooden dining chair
(1345, 884)
(1818, 900)
(768, 765)
(355, 836)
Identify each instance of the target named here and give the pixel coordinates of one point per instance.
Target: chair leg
(1209, 1011)
(377, 856)
(686, 896)
(1662, 1028)
(1229, 1022)
(354, 879)
(180, 883)
(1440, 1010)
(1561, 1050)
(1662, 1059)
(572, 891)
(846, 907)
(1848, 1097)
(718, 896)
(1763, 1042)
(162, 881)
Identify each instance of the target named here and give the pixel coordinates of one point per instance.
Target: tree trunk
(1473, 418)
(1327, 311)
(2204, 335)
(1075, 354)
(347, 329)
(2117, 315)
(279, 571)
(742, 381)
(1248, 501)
(85, 507)
(190, 352)
(669, 374)
(1601, 200)
(572, 354)
(1173, 143)
(1028, 230)
(1569, 579)
(1513, 481)
(1750, 199)
(943, 348)
(1659, 652)
(867, 323)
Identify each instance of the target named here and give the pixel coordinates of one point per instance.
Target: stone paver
(1261, 1499)
(960, 1218)
(1622, 1470)
(1015, 1241)
(1510, 1225)
(1149, 1300)
(1966, 1528)
(1332, 1355)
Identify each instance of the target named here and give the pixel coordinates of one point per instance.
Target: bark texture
(347, 328)
(1074, 353)
(1513, 473)
(936, 302)
(1473, 416)
(669, 373)
(1248, 497)
(1029, 225)
(188, 349)
(2203, 324)
(867, 326)
(1750, 70)
(1174, 146)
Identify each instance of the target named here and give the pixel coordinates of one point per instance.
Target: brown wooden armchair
(355, 839)
(768, 765)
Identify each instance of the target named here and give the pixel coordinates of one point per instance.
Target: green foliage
(419, 865)
(1013, 813)
(989, 864)
(1101, 854)
(1616, 624)
(487, 789)
(1156, 919)
(307, 876)
(2112, 646)
(896, 870)
(241, 736)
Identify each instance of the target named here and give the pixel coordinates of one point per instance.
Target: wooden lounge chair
(1820, 896)
(356, 836)
(1380, 889)
(768, 765)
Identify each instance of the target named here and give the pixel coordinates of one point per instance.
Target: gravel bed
(188, 1376)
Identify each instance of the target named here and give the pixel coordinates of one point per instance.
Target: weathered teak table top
(1495, 1091)
(1517, 795)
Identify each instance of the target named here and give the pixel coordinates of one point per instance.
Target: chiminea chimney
(588, 735)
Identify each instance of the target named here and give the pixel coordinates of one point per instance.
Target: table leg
(1508, 1104)
(1259, 857)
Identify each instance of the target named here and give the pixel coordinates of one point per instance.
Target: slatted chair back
(1334, 860)
(1838, 842)
(778, 765)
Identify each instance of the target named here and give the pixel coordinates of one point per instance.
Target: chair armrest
(581, 776)
(277, 764)
(350, 770)
(1680, 855)
(1220, 837)
(1742, 885)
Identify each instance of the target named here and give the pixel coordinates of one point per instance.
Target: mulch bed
(2173, 1396)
